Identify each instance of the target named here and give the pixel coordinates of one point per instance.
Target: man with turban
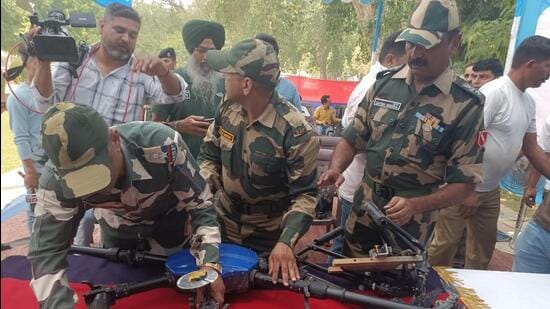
(192, 117)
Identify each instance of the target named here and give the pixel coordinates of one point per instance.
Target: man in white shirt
(532, 250)
(509, 116)
(392, 54)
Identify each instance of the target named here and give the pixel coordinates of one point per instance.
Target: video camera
(53, 43)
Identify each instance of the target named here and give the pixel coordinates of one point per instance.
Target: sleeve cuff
(467, 173)
(289, 237)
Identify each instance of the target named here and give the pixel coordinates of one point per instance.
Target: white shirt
(544, 136)
(509, 113)
(544, 142)
(355, 171)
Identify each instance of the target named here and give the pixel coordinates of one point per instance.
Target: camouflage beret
(429, 21)
(75, 138)
(252, 58)
(196, 30)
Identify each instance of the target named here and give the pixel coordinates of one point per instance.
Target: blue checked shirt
(25, 125)
(119, 96)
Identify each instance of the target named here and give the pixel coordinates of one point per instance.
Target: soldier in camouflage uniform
(260, 153)
(418, 126)
(139, 178)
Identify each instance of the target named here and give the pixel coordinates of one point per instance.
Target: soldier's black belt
(387, 193)
(267, 207)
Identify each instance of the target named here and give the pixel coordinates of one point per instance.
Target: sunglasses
(14, 72)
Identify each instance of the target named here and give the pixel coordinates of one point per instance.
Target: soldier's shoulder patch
(465, 86)
(226, 135)
(161, 154)
(389, 72)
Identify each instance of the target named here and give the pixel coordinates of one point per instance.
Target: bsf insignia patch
(482, 138)
(226, 135)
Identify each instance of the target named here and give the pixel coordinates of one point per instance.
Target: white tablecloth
(501, 290)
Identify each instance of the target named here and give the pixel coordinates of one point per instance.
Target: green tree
(14, 21)
(488, 36)
(330, 41)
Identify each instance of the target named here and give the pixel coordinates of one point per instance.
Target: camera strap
(73, 66)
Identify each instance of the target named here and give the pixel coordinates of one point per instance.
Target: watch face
(197, 279)
(30, 198)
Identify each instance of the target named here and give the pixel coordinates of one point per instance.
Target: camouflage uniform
(413, 142)
(148, 206)
(265, 170)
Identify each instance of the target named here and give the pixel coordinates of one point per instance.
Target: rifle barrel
(111, 254)
(320, 290)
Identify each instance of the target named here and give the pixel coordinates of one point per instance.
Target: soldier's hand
(193, 125)
(150, 65)
(400, 210)
(469, 206)
(329, 177)
(216, 291)
(282, 260)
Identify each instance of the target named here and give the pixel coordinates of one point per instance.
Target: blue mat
(14, 208)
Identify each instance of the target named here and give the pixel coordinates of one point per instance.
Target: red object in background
(312, 89)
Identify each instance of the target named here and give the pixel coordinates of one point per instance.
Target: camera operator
(25, 124)
(110, 78)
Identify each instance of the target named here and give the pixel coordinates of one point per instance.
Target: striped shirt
(119, 96)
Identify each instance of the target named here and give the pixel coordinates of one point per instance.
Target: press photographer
(109, 78)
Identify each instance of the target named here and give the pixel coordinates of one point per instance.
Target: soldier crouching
(140, 180)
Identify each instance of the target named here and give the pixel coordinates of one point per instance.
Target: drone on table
(394, 275)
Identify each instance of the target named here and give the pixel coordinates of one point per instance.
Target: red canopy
(312, 89)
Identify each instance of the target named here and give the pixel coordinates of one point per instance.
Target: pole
(377, 26)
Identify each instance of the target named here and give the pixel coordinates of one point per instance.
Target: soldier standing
(260, 153)
(418, 126)
(140, 179)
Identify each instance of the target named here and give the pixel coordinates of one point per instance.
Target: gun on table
(396, 274)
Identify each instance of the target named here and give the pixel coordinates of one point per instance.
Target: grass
(10, 159)
(512, 202)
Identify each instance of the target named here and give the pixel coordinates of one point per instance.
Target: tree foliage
(329, 41)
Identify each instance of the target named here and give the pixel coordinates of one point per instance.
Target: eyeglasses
(203, 50)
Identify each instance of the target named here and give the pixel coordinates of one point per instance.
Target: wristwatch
(217, 267)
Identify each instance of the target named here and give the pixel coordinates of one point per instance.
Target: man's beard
(120, 53)
(204, 81)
